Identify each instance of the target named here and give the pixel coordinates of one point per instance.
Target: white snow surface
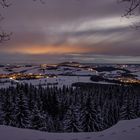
(3, 71)
(70, 75)
(124, 130)
(59, 81)
(137, 74)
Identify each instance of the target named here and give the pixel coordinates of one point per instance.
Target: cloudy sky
(69, 30)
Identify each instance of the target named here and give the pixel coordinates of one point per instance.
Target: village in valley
(69, 73)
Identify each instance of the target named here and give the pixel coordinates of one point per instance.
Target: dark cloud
(95, 25)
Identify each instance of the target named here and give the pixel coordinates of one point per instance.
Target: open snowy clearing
(124, 130)
(59, 81)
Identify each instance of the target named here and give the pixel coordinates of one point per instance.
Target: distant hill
(68, 63)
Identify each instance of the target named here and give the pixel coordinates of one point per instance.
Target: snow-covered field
(137, 74)
(59, 81)
(65, 75)
(80, 75)
(124, 130)
(37, 69)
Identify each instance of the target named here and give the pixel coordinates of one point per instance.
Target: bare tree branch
(4, 3)
(4, 36)
(133, 8)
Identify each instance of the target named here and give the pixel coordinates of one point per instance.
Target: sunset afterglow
(65, 28)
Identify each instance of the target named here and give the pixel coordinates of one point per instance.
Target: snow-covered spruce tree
(31, 103)
(63, 105)
(21, 111)
(99, 117)
(127, 110)
(91, 117)
(37, 120)
(71, 119)
(52, 108)
(136, 102)
(49, 124)
(7, 109)
(112, 116)
(137, 105)
(1, 114)
(1, 111)
(106, 114)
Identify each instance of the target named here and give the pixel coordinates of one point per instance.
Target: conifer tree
(22, 111)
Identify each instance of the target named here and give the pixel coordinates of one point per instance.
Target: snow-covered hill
(124, 130)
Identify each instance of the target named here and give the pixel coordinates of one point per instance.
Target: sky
(90, 31)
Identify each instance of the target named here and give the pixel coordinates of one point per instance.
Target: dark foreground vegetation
(81, 109)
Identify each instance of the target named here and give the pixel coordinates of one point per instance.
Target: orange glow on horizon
(34, 50)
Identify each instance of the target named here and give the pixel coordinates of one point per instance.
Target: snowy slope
(124, 130)
(2, 71)
(137, 74)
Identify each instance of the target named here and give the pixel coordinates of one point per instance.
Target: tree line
(68, 109)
